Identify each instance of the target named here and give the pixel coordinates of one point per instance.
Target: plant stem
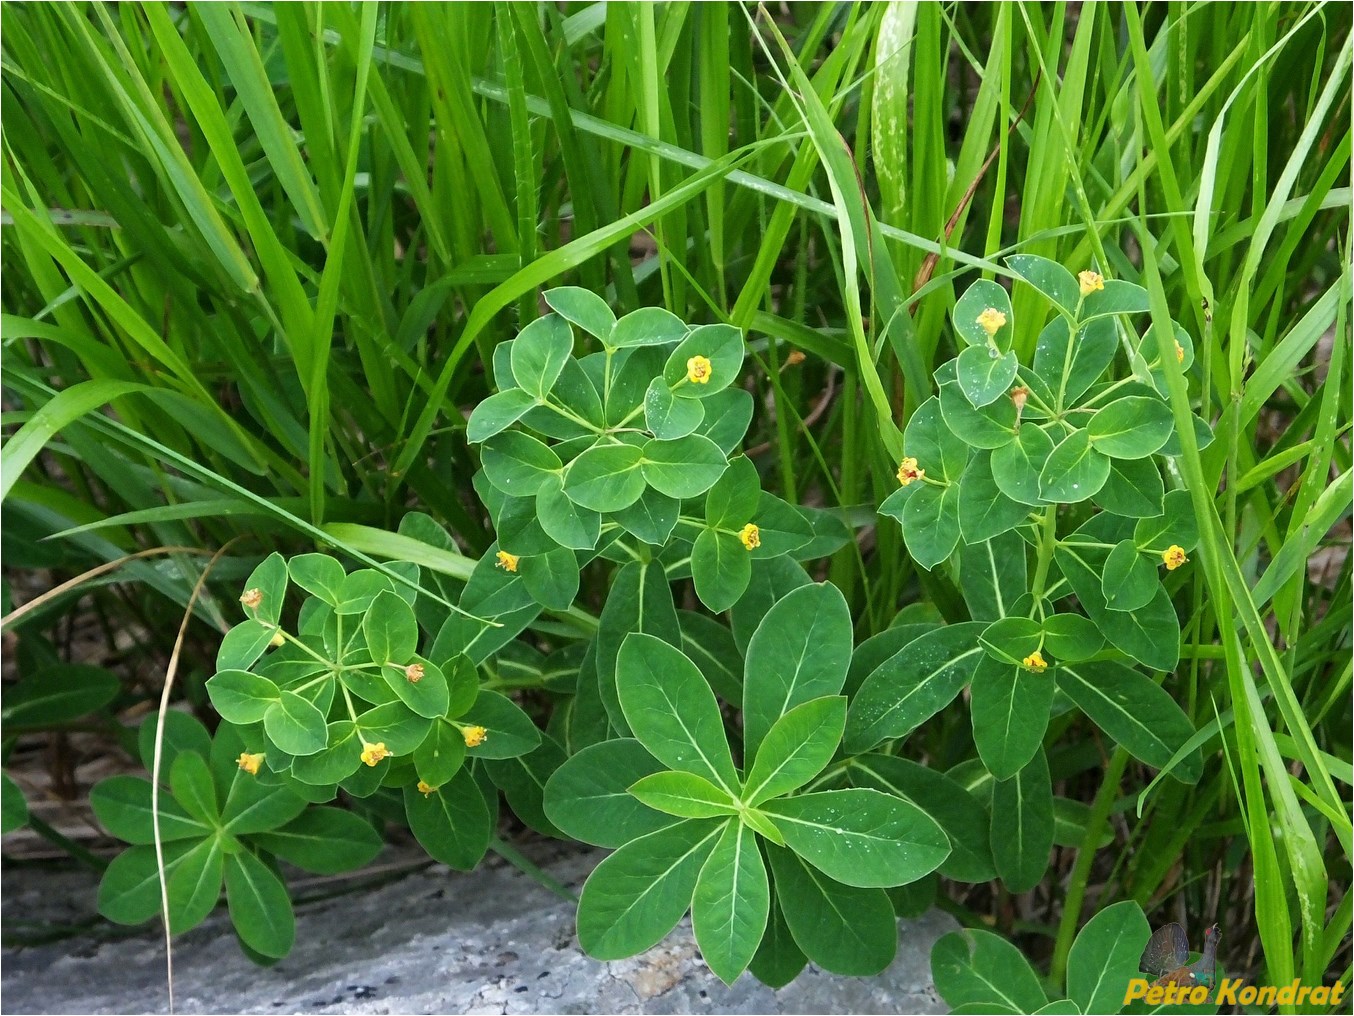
(1081, 870)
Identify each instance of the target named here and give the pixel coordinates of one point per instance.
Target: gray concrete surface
(434, 941)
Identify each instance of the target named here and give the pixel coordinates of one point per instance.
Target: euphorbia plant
(753, 768)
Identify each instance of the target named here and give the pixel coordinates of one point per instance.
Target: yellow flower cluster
(474, 736)
(414, 673)
(250, 763)
(908, 471)
(1174, 556)
(373, 753)
(1090, 282)
(1035, 662)
(506, 561)
(252, 598)
(991, 321)
(751, 536)
(699, 370)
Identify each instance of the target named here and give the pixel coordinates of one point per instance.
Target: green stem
(1081, 870)
(1048, 539)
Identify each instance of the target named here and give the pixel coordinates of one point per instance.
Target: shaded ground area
(434, 941)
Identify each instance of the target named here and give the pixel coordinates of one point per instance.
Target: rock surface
(435, 941)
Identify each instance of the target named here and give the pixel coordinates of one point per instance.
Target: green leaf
(782, 528)
(684, 468)
(58, 693)
(440, 754)
(552, 578)
(1010, 709)
(182, 732)
(339, 759)
(647, 326)
(497, 413)
(1131, 428)
(1071, 637)
(1118, 297)
(463, 684)
(721, 568)
(260, 908)
(973, 968)
(796, 749)
(195, 886)
(638, 894)
(667, 416)
(129, 892)
(13, 807)
(568, 524)
(992, 575)
(1075, 470)
(539, 353)
(1105, 957)
(989, 426)
(254, 807)
(1134, 489)
(1016, 466)
(710, 646)
(778, 959)
(735, 497)
(685, 795)
(583, 308)
(1135, 711)
(1049, 277)
(937, 450)
(510, 730)
(981, 295)
(243, 645)
(730, 903)
(843, 929)
(930, 521)
(324, 841)
(588, 797)
(912, 685)
(985, 375)
(1011, 639)
(360, 590)
(722, 345)
(1022, 825)
(517, 463)
(672, 710)
(727, 415)
(318, 574)
(962, 817)
(452, 823)
(861, 837)
(799, 652)
(1070, 372)
(270, 579)
(122, 804)
(241, 697)
(191, 783)
(605, 478)
(1176, 525)
(428, 696)
(1130, 579)
(984, 511)
(519, 532)
(640, 600)
(390, 629)
(395, 725)
(652, 518)
(295, 725)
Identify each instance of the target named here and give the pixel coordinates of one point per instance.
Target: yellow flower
(426, 790)
(252, 598)
(474, 736)
(1174, 556)
(414, 673)
(908, 471)
(506, 561)
(751, 536)
(1035, 662)
(991, 321)
(250, 763)
(277, 640)
(698, 370)
(373, 753)
(1090, 282)
(1179, 353)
